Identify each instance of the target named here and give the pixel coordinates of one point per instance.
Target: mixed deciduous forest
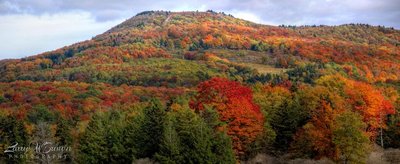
(205, 87)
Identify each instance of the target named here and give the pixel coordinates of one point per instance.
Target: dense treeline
(149, 72)
(335, 117)
(75, 100)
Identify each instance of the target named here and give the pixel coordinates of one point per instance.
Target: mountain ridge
(169, 13)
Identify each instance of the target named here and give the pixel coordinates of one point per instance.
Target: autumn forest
(206, 87)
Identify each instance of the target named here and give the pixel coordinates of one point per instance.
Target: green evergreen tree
(287, 119)
(133, 125)
(103, 140)
(150, 133)
(195, 137)
(188, 138)
(170, 148)
(115, 138)
(221, 142)
(12, 132)
(92, 145)
(63, 136)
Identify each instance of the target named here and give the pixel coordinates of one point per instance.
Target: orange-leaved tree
(371, 104)
(364, 99)
(234, 104)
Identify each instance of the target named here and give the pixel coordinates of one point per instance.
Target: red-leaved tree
(235, 107)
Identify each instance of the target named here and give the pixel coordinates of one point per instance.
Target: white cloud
(247, 16)
(25, 35)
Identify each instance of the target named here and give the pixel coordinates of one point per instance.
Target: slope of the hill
(210, 44)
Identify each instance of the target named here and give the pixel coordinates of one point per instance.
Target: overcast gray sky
(28, 27)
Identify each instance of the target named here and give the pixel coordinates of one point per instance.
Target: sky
(29, 27)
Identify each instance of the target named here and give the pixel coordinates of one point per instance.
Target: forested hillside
(205, 87)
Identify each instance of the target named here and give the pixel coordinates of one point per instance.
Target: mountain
(167, 43)
(162, 85)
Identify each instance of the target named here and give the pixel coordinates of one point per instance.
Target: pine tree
(150, 133)
(189, 139)
(92, 145)
(103, 140)
(221, 142)
(286, 121)
(12, 131)
(114, 137)
(63, 136)
(195, 138)
(170, 148)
